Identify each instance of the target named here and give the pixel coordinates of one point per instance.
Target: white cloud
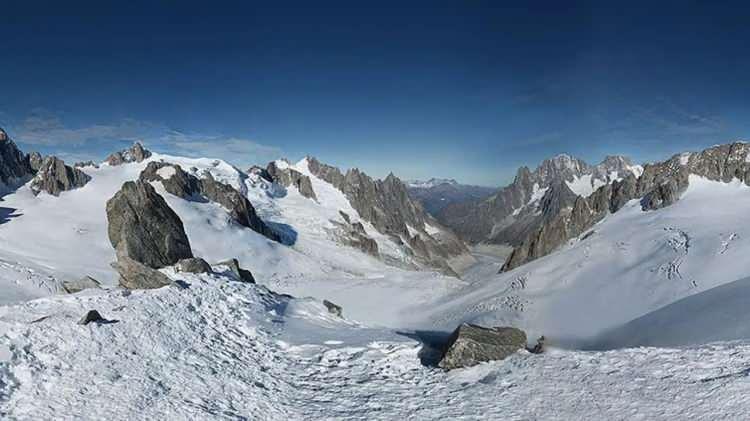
(238, 151)
(47, 129)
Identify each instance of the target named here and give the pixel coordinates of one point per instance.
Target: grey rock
(386, 205)
(470, 345)
(15, 168)
(144, 228)
(92, 316)
(136, 275)
(240, 273)
(136, 153)
(291, 177)
(193, 265)
(81, 164)
(334, 309)
(54, 177)
(87, 282)
(35, 161)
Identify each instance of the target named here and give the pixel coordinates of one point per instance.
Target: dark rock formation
(193, 265)
(334, 308)
(87, 282)
(144, 228)
(354, 235)
(387, 206)
(136, 275)
(54, 177)
(291, 177)
(92, 316)
(187, 186)
(15, 168)
(239, 273)
(471, 344)
(81, 164)
(136, 153)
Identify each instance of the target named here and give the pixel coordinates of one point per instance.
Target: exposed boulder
(194, 265)
(136, 275)
(87, 282)
(136, 153)
(54, 177)
(470, 345)
(91, 316)
(290, 177)
(144, 228)
(334, 309)
(239, 273)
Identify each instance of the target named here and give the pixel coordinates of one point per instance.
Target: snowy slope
(630, 264)
(227, 350)
(719, 314)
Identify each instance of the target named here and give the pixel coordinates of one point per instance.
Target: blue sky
(468, 90)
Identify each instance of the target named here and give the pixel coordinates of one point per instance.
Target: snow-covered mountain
(421, 184)
(659, 248)
(513, 212)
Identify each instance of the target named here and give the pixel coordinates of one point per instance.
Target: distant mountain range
(437, 193)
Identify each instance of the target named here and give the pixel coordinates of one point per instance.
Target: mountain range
(312, 292)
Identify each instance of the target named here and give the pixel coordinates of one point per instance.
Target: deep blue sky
(469, 90)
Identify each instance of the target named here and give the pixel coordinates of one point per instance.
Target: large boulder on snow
(193, 265)
(471, 344)
(144, 228)
(54, 177)
(239, 273)
(136, 275)
(135, 153)
(87, 282)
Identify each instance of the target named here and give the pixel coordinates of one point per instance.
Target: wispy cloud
(49, 132)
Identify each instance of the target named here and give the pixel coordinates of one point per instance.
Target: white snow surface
(228, 350)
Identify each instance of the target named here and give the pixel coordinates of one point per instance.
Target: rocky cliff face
(286, 177)
(509, 215)
(660, 184)
(187, 186)
(15, 168)
(387, 206)
(54, 177)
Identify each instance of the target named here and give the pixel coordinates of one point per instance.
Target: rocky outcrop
(470, 345)
(15, 168)
(239, 273)
(660, 185)
(386, 205)
(286, 177)
(509, 216)
(187, 186)
(54, 177)
(334, 309)
(136, 153)
(87, 282)
(353, 234)
(82, 164)
(193, 265)
(136, 275)
(144, 228)
(35, 161)
(91, 316)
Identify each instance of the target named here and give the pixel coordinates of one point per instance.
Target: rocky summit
(14, 165)
(54, 177)
(136, 153)
(143, 228)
